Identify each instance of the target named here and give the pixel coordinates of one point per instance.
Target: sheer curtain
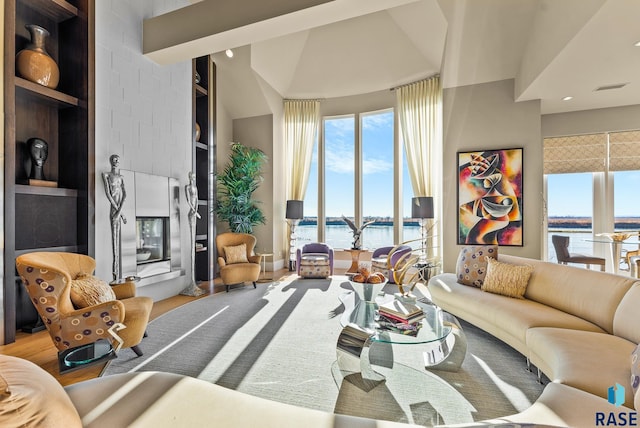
(420, 116)
(301, 123)
(419, 107)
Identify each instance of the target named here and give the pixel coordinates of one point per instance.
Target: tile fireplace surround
(151, 196)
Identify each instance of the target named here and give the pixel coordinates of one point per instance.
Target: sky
(567, 194)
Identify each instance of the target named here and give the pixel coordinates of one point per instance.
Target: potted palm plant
(241, 177)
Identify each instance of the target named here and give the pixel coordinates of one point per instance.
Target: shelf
(66, 249)
(200, 91)
(48, 191)
(201, 237)
(201, 146)
(52, 96)
(57, 10)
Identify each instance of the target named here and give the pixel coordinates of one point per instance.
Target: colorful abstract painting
(490, 197)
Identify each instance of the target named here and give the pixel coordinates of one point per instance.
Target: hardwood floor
(39, 348)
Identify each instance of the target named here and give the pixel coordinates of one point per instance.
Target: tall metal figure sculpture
(191, 192)
(116, 194)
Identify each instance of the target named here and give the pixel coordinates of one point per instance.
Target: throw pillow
(471, 267)
(31, 397)
(87, 290)
(236, 254)
(506, 279)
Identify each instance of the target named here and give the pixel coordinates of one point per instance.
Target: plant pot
(34, 63)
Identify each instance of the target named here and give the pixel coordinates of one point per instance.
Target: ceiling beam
(212, 26)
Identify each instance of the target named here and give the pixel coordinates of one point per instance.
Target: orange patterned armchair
(76, 307)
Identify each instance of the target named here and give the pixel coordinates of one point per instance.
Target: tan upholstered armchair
(237, 261)
(59, 283)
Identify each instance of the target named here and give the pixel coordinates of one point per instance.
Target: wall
(591, 121)
(258, 132)
(143, 113)
(485, 116)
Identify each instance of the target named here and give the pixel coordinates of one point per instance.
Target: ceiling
(552, 48)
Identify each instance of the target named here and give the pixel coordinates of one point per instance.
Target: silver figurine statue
(191, 192)
(116, 194)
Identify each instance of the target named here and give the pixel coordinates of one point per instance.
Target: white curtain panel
(301, 123)
(419, 107)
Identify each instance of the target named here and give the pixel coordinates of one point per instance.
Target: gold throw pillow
(236, 254)
(87, 290)
(506, 279)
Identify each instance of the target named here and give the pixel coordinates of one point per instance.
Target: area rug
(279, 342)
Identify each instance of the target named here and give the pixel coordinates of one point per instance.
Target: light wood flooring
(39, 348)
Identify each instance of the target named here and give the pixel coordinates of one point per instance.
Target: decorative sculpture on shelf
(357, 232)
(39, 151)
(191, 194)
(116, 194)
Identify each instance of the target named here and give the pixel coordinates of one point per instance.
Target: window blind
(579, 153)
(624, 151)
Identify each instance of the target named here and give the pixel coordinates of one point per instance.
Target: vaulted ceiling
(325, 49)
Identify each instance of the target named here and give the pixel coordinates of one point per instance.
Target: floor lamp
(293, 216)
(422, 209)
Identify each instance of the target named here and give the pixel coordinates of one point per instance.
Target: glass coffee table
(439, 338)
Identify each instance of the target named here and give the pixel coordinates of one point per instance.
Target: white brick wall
(143, 113)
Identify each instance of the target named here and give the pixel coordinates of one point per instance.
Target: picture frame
(490, 195)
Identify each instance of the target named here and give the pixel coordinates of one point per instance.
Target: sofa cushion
(31, 397)
(87, 290)
(471, 267)
(506, 279)
(236, 254)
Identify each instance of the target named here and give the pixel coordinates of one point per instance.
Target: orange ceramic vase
(34, 63)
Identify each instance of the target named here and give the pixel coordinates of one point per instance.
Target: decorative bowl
(142, 255)
(617, 236)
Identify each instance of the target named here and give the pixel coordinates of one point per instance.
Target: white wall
(485, 116)
(143, 114)
(591, 121)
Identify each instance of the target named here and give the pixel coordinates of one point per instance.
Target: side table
(264, 267)
(355, 259)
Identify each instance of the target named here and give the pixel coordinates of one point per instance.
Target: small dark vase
(34, 63)
(39, 150)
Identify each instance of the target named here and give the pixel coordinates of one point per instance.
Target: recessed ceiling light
(567, 98)
(637, 44)
(229, 53)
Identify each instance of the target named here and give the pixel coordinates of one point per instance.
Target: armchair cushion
(236, 254)
(87, 290)
(31, 397)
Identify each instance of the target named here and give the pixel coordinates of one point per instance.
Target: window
(570, 211)
(377, 177)
(339, 186)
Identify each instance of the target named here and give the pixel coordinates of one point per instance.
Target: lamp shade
(294, 210)
(422, 207)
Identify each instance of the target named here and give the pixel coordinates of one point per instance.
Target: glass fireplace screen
(152, 239)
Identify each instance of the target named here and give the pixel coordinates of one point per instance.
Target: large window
(591, 188)
(339, 170)
(570, 211)
(355, 175)
(376, 130)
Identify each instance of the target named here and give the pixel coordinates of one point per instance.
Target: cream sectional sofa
(579, 327)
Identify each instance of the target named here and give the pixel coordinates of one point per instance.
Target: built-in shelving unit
(204, 150)
(42, 218)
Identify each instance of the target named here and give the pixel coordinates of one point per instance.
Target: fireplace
(151, 241)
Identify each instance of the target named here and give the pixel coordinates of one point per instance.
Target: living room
(143, 109)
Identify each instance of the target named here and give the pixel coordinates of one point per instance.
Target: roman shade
(579, 153)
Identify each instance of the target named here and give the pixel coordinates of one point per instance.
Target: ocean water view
(339, 236)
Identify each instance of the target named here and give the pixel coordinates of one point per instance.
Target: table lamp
(293, 215)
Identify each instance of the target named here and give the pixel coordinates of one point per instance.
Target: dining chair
(561, 245)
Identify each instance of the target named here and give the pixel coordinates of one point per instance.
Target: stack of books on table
(401, 317)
